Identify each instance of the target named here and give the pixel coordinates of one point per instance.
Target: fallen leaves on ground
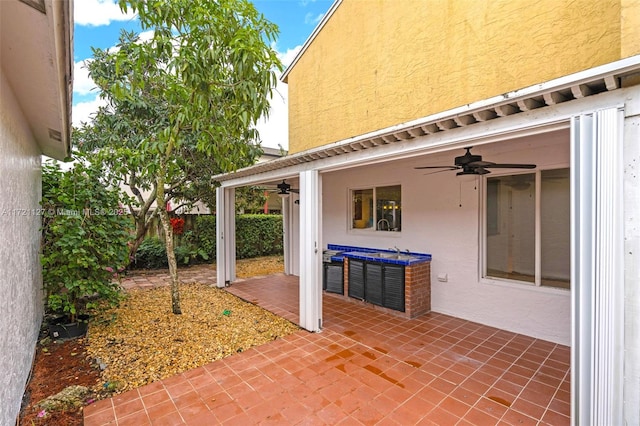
(143, 341)
(56, 366)
(266, 265)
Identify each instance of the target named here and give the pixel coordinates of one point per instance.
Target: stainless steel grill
(326, 255)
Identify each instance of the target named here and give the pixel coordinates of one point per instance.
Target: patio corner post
(597, 268)
(225, 236)
(289, 246)
(311, 250)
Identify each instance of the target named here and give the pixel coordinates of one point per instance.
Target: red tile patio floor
(366, 367)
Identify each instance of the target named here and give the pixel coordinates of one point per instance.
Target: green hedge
(205, 230)
(256, 235)
(152, 254)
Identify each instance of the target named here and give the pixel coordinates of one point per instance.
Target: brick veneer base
(417, 290)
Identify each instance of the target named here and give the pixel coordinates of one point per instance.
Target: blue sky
(98, 24)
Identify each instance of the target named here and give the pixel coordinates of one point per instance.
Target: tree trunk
(141, 232)
(141, 219)
(168, 233)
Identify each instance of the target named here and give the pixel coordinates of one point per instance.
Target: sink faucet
(382, 222)
(408, 251)
(397, 249)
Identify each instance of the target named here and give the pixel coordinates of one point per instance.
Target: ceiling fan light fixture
(467, 175)
(283, 189)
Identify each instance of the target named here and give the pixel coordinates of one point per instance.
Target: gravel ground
(257, 266)
(142, 341)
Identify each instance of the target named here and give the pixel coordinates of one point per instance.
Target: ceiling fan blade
(439, 171)
(438, 167)
(480, 163)
(296, 191)
(510, 166)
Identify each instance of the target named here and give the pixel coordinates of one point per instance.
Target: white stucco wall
(21, 305)
(441, 217)
(631, 253)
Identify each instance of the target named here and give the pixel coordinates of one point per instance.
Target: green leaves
(84, 237)
(210, 62)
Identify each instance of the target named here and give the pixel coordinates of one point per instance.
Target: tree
(114, 139)
(250, 199)
(204, 79)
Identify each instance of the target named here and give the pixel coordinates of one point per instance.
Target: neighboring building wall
(440, 217)
(401, 61)
(20, 272)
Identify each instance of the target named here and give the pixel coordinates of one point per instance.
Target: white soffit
(574, 86)
(36, 47)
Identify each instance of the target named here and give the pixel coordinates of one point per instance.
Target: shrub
(152, 254)
(187, 250)
(205, 231)
(258, 235)
(84, 239)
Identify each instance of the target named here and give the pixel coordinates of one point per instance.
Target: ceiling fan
(470, 164)
(284, 189)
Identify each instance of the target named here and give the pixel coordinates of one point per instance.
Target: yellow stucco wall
(377, 63)
(630, 28)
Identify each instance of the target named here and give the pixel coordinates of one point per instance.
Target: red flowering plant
(177, 223)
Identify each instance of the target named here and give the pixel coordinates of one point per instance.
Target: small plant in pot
(84, 245)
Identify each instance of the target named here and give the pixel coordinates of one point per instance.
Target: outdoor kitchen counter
(376, 255)
(393, 280)
(388, 257)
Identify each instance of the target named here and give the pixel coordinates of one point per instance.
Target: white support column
(597, 268)
(310, 250)
(286, 236)
(225, 236)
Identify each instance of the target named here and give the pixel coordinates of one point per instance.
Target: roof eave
(37, 63)
(582, 84)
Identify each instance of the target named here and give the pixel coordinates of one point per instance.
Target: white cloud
(82, 83)
(287, 57)
(83, 111)
(98, 12)
(274, 131)
(312, 19)
(146, 35)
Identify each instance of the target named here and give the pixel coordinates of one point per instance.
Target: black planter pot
(61, 328)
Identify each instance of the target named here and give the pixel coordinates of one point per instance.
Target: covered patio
(366, 367)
